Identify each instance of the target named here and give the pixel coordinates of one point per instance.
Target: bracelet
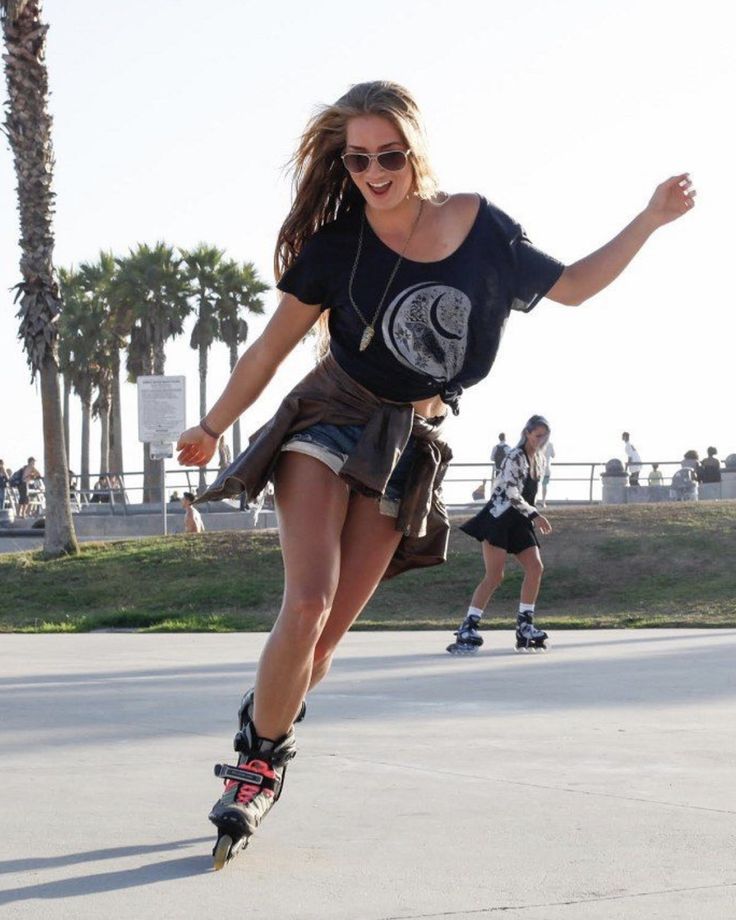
(207, 430)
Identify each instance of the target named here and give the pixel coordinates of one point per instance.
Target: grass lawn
(606, 566)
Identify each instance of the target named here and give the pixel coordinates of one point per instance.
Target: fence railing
(575, 481)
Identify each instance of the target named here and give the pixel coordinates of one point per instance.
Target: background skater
(506, 526)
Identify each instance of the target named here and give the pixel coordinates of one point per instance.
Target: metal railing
(582, 485)
(576, 482)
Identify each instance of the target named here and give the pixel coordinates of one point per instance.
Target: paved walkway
(596, 781)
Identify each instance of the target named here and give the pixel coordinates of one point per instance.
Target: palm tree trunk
(236, 423)
(202, 404)
(116, 420)
(152, 468)
(59, 536)
(105, 440)
(28, 127)
(67, 391)
(84, 460)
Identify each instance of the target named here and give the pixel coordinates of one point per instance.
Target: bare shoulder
(460, 209)
(464, 204)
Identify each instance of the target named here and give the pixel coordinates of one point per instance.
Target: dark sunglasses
(391, 160)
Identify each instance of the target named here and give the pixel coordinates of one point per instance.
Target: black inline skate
(528, 637)
(469, 640)
(251, 788)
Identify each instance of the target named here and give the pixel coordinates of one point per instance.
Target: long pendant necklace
(370, 331)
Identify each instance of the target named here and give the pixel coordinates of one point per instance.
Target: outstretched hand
(195, 447)
(671, 199)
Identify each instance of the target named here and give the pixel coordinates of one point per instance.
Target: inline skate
(251, 788)
(528, 637)
(469, 639)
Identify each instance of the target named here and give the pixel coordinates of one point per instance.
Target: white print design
(426, 328)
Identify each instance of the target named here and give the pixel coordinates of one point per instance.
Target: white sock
(475, 612)
(526, 608)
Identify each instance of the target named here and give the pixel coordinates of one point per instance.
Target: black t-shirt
(441, 323)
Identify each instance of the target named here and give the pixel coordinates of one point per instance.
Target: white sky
(173, 119)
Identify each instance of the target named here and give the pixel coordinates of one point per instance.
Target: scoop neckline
(447, 258)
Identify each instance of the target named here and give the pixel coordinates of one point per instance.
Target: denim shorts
(333, 443)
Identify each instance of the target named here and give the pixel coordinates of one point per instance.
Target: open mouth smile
(379, 188)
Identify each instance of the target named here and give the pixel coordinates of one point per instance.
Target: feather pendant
(366, 338)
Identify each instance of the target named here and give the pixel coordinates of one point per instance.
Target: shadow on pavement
(151, 874)
(70, 859)
(202, 700)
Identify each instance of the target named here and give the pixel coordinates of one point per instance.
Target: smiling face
(381, 188)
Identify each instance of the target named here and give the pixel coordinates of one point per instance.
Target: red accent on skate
(247, 791)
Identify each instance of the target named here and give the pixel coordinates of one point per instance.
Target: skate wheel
(221, 852)
(225, 850)
(457, 649)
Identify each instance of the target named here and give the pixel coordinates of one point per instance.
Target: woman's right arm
(256, 366)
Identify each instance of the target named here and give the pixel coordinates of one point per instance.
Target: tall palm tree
(28, 127)
(99, 279)
(84, 345)
(150, 283)
(201, 268)
(239, 289)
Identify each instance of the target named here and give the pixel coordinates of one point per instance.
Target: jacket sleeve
(512, 475)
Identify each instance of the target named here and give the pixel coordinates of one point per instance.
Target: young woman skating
(412, 288)
(506, 526)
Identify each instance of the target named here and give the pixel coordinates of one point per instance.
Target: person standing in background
(710, 468)
(4, 482)
(498, 454)
(655, 477)
(193, 522)
(633, 460)
(549, 455)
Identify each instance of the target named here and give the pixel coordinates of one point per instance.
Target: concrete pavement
(592, 782)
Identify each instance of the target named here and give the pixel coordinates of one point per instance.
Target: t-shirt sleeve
(306, 279)
(534, 272)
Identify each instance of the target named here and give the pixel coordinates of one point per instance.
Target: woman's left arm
(588, 276)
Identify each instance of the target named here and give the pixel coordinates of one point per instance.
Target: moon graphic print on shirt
(426, 328)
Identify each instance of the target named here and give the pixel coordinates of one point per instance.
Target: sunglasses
(391, 160)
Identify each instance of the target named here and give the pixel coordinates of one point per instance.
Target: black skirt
(511, 531)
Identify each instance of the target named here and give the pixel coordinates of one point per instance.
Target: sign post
(161, 419)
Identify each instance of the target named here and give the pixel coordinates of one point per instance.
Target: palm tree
(150, 284)
(201, 268)
(73, 343)
(28, 127)
(84, 344)
(99, 279)
(239, 289)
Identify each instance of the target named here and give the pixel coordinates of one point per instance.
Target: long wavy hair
(322, 189)
(538, 462)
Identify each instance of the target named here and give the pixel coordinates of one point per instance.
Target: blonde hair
(322, 188)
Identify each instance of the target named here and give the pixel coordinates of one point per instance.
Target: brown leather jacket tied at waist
(328, 394)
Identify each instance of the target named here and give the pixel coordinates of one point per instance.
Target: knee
(305, 616)
(537, 568)
(493, 579)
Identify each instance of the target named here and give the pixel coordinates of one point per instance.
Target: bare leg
(531, 562)
(494, 559)
(369, 540)
(312, 504)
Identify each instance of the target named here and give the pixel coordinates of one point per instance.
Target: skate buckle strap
(241, 775)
